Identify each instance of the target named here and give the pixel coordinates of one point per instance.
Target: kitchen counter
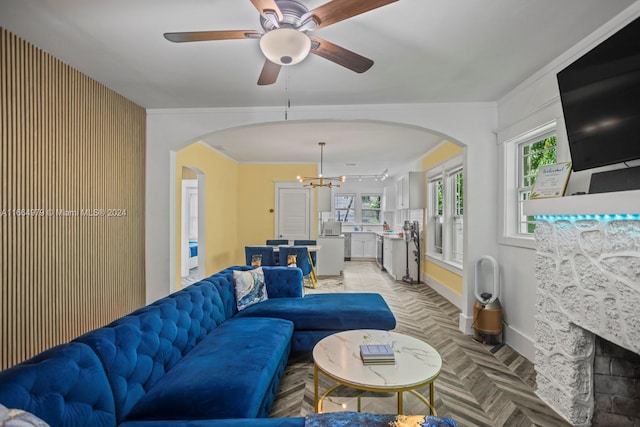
(330, 259)
(391, 235)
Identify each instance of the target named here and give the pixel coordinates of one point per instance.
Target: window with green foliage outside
(371, 208)
(532, 155)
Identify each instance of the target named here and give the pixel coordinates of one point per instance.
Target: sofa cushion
(233, 373)
(64, 386)
(250, 288)
(138, 349)
(339, 312)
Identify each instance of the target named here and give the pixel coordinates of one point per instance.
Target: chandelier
(320, 180)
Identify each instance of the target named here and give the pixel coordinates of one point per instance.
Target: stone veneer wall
(588, 273)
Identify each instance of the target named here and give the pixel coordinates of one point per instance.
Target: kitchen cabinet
(389, 198)
(395, 258)
(410, 191)
(402, 193)
(387, 255)
(363, 245)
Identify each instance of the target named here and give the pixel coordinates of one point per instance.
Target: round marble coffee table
(337, 356)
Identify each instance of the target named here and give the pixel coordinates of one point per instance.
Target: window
(522, 155)
(345, 210)
(532, 154)
(457, 225)
(370, 209)
(438, 211)
(445, 221)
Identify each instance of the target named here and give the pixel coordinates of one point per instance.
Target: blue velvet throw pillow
(250, 288)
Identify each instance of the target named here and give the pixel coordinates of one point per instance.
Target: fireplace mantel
(616, 203)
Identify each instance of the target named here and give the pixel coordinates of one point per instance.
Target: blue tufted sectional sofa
(189, 359)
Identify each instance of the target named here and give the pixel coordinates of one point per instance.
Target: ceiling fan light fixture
(285, 46)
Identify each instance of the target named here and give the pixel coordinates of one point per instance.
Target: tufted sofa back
(64, 386)
(138, 349)
(281, 282)
(100, 376)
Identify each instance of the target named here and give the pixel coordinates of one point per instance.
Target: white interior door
(293, 212)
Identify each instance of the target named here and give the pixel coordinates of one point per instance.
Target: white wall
(534, 103)
(471, 124)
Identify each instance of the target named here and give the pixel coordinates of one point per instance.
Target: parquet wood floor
(480, 385)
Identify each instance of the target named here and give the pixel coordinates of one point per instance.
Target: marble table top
(416, 364)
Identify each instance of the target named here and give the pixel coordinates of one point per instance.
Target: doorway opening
(192, 227)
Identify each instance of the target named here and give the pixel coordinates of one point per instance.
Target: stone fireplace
(588, 274)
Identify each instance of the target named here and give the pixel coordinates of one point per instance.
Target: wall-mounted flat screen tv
(600, 95)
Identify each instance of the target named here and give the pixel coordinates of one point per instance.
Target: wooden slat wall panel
(70, 148)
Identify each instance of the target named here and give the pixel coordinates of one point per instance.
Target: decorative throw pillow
(19, 418)
(250, 287)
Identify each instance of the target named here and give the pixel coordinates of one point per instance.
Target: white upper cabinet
(389, 198)
(410, 191)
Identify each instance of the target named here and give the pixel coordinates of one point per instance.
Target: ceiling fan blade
(339, 10)
(340, 55)
(266, 6)
(199, 36)
(269, 73)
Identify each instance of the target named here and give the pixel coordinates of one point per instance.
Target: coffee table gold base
(400, 407)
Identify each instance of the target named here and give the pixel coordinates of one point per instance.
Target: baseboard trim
(519, 342)
(464, 324)
(444, 291)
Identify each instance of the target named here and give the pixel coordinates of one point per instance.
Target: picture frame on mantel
(551, 181)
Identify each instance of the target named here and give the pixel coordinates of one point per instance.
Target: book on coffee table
(377, 354)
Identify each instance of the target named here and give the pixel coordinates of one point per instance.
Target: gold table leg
(400, 405)
(432, 408)
(312, 275)
(316, 403)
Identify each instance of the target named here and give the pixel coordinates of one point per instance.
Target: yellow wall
(188, 173)
(443, 276)
(443, 152)
(451, 280)
(256, 183)
(238, 200)
(72, 196)
(221, 214)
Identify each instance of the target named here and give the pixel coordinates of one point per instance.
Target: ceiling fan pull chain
(286, 93)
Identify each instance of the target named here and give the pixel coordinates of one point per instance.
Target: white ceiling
(424, 51)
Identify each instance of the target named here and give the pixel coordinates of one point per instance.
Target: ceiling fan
(284, 40)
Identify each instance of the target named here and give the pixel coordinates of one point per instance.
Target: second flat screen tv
(600, 94)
